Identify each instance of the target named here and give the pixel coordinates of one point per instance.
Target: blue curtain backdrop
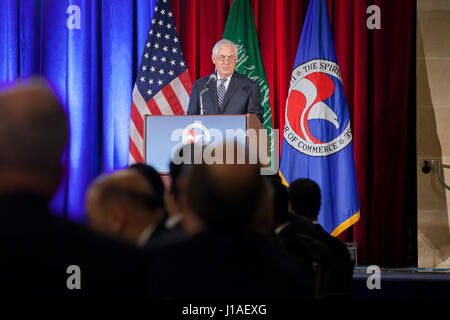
(91, 67)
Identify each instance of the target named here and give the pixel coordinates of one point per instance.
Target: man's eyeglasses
(223, 58)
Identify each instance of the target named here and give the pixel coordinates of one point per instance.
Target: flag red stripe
(186, 81)
(153, 107)
(135, 152)
(172, 99)
(137, 119)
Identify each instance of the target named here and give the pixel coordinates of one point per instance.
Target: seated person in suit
(304, 200)
(173, 196)
(231, 93)
(125, 206)
(291, 239)
(230, 255)
(154, 179)
(37, 246)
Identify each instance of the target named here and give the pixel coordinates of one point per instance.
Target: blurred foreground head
(122, 205)
(232, 197)
(33, 134)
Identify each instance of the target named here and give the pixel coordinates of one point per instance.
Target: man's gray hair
(224, 42)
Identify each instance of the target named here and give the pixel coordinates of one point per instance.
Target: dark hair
(177, 170)
(280, 200)
(305, 198)
(154, 179)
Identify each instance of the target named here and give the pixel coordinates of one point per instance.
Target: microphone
(212, 78)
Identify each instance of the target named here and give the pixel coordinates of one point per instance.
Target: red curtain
(375, 68)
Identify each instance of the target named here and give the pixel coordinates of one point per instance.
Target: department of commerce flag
(317, 141)
(163, 84)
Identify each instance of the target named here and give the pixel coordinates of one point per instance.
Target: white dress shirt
(281, 227)
(172, 221)
(145, 235)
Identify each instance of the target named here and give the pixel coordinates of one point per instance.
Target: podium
(164, 135)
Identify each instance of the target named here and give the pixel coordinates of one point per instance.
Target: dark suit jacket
(339, 249)
(304, 247)
(315, 231)
(37, 248)
(219, 265)
(163, 236)
(242, 97)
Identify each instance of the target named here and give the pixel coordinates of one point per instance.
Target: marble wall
(433, 131)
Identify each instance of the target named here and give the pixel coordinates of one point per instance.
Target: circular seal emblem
(196, 133)
(317, 119)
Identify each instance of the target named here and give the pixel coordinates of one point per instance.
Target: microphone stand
(202, 93)
(212, 78)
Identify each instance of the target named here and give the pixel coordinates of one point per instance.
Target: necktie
(221, 93)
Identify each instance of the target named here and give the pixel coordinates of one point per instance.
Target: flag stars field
(158, 90)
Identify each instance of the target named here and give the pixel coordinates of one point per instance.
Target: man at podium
(225, 91)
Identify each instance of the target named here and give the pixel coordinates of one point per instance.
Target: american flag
(163, 84)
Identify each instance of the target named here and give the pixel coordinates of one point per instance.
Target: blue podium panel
(166, 134)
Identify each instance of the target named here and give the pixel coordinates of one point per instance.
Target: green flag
(240, 29)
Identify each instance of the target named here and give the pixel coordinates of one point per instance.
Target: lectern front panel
(164, 135)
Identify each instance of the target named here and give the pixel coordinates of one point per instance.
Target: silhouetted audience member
(154, 179)
(305, 201)
(230, 256)
(172, 226)
(125, 206)
(42, 254)
(307, 249)
(172, 198)
(176, 197)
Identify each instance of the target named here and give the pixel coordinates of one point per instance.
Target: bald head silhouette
(33, 134)
(122, 204)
